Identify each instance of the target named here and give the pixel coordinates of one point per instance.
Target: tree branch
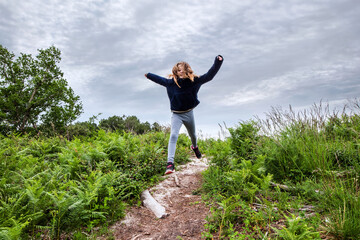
(32, 97)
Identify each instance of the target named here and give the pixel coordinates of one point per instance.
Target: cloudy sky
(275, 52)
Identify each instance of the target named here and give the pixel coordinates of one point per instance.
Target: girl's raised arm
(212, 71)
(157, 79)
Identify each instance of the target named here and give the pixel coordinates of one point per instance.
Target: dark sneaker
(170, 168)
(196, 151)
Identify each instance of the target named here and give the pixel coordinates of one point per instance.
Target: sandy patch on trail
(185, 211)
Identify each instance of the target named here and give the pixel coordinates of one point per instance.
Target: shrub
(244, 139)
(51, 186)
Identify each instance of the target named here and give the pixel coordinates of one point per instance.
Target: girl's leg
(189, 122)
(176, 123)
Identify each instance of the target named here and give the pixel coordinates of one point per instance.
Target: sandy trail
(185, 211)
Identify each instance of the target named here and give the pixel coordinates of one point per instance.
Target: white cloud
(297, 80)
(270, 47)
(118, 14)
(173, 28)
(79, 77)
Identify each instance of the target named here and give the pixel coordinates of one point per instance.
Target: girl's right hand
(146, 75)
(219, 58)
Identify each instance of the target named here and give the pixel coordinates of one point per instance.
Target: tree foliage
(129, 124)
(126, 123)
(34, 94)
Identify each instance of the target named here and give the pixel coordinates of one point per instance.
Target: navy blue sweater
(185, 98)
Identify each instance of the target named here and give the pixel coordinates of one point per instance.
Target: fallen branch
(152, 204)
(335, 173)
(176, 180)
(305, 208)
(136, 237)
(282, 186)
(287, 188)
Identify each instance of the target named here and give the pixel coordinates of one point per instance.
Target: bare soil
(185, 210)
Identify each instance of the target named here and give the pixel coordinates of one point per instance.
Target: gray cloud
(276, 52)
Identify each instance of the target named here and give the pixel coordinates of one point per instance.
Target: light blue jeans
(177, 119)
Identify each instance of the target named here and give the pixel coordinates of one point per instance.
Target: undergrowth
(51, 188)
(289, 176)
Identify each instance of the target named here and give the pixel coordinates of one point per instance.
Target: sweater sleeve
(212, 71)
(159, 80)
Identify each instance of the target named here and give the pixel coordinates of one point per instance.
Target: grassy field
(293, 175)
(52, 188)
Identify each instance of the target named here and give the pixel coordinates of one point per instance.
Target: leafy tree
(145, 127)
(113, 123)
(126, 123)
(33, 92)
(132, 123)
(156, 127)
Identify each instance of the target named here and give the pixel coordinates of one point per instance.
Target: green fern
(296, 229)
(13, 230)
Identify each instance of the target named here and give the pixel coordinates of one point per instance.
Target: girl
(182, 88)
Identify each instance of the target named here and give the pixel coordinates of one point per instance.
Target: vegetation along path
(185, 212)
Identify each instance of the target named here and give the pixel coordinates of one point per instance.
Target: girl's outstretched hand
(146, 75)
(219, 58)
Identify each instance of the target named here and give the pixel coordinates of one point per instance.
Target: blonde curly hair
(189, 73)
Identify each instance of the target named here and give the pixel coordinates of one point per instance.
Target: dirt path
(185, 211)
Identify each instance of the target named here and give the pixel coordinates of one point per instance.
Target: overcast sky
(275, 52)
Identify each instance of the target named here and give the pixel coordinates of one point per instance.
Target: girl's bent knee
(173, 137)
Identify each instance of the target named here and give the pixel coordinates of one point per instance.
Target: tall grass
(309, 142)
(315, 152)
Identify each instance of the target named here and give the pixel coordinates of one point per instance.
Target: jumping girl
(182, 87)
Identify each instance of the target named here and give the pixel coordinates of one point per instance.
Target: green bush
(342, 207)
(235, 167)
(244, 139)
(314, 152)
(345, 128)
(297, 229)
(220, 153)
(52, 186)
